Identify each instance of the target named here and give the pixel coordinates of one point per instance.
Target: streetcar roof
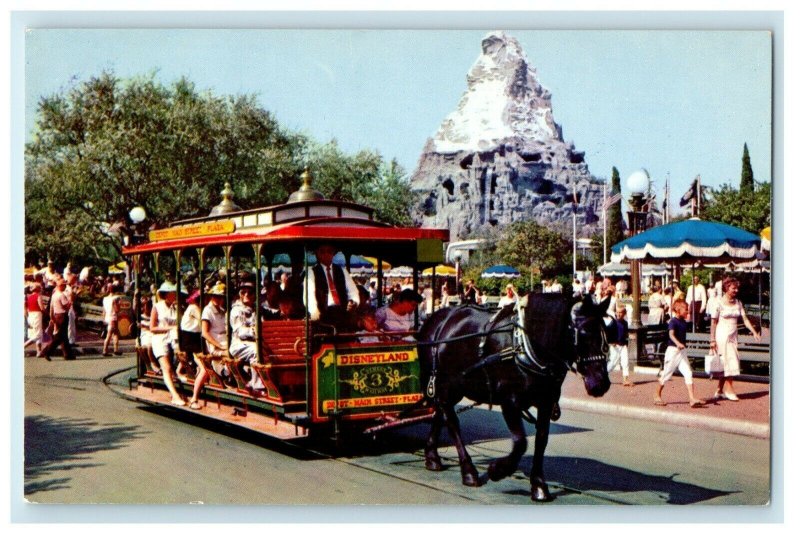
(300, 222)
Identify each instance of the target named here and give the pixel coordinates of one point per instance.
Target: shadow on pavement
(56, 446)
(587, 475)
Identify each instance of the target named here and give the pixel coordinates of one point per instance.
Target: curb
(730, 426)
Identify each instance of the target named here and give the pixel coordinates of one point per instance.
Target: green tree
(526, 242)
(363, 178)
(108, 145)
(614, 221)
(750, 210)
(746, 183)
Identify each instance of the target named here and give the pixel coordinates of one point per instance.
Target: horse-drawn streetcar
(315, 373)
(303, 355)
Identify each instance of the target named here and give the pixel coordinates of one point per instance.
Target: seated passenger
(164, 334)
(144, 341)
(190, 339)
(215, 336)
(368, 326)
(270, 307)
(243, 334)
(332, 295)
(398, 315)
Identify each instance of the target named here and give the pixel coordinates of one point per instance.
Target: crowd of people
(335, 300)
(53, 299)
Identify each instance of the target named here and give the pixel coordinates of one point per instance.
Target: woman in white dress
(164, 334)
(655, 306)
(724, 324)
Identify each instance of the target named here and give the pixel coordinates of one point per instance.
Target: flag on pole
(574, 200)
(610, 201)
(691, 193)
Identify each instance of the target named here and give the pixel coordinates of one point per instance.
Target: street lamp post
(637, 183)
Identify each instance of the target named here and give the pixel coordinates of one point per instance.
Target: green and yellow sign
(363, 381)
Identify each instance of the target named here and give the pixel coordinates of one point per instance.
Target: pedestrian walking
(34, 307)
(676, 356)
(724, 336)
(59, 310)
(618, 347)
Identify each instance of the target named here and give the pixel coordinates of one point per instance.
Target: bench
(750, 350)
(91, 316)
(283, 366)
(653, 343)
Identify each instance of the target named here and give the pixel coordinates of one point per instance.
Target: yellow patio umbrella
(117, 268)
(374, 261)
(766, 237)
(441, 270)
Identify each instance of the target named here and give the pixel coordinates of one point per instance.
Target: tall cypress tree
(746, 183)
(615, 227)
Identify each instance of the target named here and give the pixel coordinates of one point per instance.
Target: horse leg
(469, 475)
(503, 467)
(539, 491)
(433, 462)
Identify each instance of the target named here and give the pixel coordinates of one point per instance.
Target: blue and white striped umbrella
(692, 239)
(500, 271)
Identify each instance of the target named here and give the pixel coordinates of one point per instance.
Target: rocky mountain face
(500, 156)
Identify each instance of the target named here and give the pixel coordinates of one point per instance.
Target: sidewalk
(749, 416)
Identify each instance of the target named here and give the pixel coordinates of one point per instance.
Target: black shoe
(556, 414)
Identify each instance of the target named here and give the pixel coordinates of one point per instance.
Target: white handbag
(714, 363)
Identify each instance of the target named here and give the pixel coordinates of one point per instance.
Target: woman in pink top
(33, 314)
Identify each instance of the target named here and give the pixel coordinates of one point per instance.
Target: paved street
(85, 444)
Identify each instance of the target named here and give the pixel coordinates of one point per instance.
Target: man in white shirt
(284, 281)
(399, 315)
(60, 305)
(332, 296)
(696, 299)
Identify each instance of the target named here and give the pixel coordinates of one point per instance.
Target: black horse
(518, 359)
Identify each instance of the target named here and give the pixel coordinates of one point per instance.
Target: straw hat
(218, 290)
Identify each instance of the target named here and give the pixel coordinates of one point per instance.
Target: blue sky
(677, 102)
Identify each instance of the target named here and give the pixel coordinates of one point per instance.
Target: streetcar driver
(332, 296)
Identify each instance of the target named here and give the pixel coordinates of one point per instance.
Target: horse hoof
(495, 473)
(433, 465)
(471, 479)
(540, 494)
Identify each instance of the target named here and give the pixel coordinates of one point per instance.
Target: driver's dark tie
(332, 287)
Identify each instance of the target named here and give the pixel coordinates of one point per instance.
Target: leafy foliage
(107, 145)
(749, 210)
(363, 178)
(525, 242)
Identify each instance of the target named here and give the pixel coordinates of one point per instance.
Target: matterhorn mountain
(500, 156)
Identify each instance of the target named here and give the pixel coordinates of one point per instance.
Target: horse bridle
(526, 357)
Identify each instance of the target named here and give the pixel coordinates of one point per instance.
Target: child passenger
(368, 324)
(676, 356)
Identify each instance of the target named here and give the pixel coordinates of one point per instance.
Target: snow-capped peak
(503, 100)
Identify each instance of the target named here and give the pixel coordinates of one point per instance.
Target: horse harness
(521, 350)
